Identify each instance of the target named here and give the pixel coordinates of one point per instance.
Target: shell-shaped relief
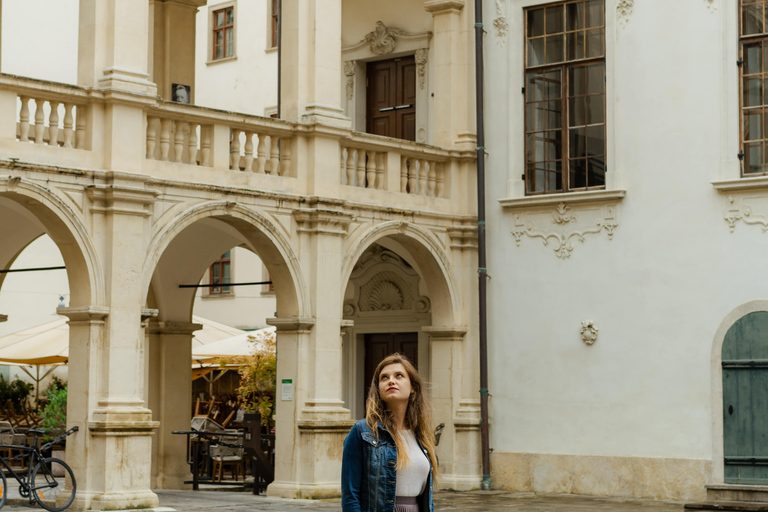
(385, 296)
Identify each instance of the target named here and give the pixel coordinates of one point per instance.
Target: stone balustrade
(373, 162)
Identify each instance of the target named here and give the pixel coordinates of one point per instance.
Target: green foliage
(258, 376)
(56, 383)
(17, 391)
(54, 416)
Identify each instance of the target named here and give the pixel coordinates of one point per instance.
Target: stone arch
(716, 372)
(41, 211)
(425, 253)
(254, 227)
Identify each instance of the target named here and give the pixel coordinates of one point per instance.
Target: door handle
(387, 109)
(402, 106)
(730, 409)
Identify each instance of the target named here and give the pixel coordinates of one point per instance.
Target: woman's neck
(398, 415)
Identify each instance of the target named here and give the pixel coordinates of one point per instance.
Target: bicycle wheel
(3, 488)
(53, 484)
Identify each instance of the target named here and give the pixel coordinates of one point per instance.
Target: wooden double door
(380, 345)
(391, 109)
(745, 400)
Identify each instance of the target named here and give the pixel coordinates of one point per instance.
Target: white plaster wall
(49, 51)
(659, 290)
(248, 83)
(247, 307)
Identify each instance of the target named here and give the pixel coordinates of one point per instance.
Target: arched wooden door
(745, 400)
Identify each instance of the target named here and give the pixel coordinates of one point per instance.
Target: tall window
(273, 23)
(565, 96)
(223, 33)
(754, 72)
(220, 273)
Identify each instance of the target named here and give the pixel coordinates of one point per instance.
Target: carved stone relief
(624, 10)
(384, 283)
(349, 72)
(563, 225)
(588, 332)
(421, 57)
(383, 39)
(751, 210)
(500, 24)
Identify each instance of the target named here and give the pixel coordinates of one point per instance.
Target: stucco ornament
(349, 72)
(711, 5)
(588, 332)
(383, 39)
(500, 24)
(750, 210)
(624, 10)
(564, 225)
(421, 57)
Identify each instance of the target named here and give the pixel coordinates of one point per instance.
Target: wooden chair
(228, 456)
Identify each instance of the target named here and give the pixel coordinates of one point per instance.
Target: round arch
(42, 211)
(254, 228)
(424, 252)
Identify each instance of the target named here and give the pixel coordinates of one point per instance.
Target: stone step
(743, 506)
(737, 493)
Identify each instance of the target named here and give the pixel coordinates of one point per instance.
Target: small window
(220, 275)
(224, 33)
(274, 24)
(754, 72)
(565, 97)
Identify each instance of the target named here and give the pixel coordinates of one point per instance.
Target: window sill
(271, 50)
(591, 196)
(753, 183)
(223, 296)
(220, 61)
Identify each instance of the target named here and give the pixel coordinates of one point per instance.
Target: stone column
(112, 451)
(322, 421)
(311, 56)
(170, 399)
(453, 68)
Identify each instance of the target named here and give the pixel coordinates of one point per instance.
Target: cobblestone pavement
(494, 501)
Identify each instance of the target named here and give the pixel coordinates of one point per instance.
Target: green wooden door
(745, 400)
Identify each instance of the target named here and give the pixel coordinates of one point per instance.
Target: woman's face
(394, 384)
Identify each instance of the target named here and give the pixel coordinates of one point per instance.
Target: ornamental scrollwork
(383, 39)
(500, 24)
(588, 332)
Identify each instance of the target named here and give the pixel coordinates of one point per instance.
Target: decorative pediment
(384, 283)
(384, 40)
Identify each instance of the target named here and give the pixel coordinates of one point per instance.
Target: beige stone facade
(141, 194)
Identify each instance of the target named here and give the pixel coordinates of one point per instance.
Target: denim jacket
(368, 475)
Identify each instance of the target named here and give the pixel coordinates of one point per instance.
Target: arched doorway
(745, 400)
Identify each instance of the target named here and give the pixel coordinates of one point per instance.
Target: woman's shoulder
(361, 426)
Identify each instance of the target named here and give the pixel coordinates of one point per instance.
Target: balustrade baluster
(205, 146)
(412, 176)
(261, 154)
(403, 174)
(350, 167)
(285, 157)
(80, 124)
(370, 174)
(39, 121)
(248, 151)
(53, 125)
(343, 167)
(24, 120)
(422, 178)
(234, 151)
(432, 177)
(274, 155)
(69, 123)
(380, 166)
(192, 144)
(440, 188)
(360, 167)
(165, 139)
(151, 137)
(178, 141)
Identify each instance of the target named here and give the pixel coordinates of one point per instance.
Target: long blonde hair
(418, 416)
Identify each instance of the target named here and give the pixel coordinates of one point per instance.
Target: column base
(295, 490)
(461, 482)
(129, 500)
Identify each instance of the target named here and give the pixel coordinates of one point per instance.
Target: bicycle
(45, 481)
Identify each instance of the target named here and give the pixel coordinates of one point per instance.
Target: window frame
(564, 66)
(213, 9)
(220, 262)
(744, 40)
(273, 25)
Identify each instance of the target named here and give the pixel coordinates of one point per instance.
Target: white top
(412, 479)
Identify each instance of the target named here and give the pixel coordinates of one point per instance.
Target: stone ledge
(591, 196)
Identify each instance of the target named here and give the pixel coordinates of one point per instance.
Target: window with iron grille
(223, 33)
(753, 43)
(565, 143)
(220, 275)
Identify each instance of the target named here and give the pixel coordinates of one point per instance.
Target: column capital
(296, 324)
(445, 333)
(322, 220)
(442, 6)
(463, 237)
(182, 328)
(93, 314)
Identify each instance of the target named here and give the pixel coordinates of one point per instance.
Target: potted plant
(258, 375)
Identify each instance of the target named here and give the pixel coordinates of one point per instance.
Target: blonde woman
(389, 460)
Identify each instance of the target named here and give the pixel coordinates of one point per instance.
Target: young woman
(389, 457)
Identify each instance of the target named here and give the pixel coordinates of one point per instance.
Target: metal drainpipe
(279, 54)
(482, 271)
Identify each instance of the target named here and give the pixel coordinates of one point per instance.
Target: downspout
(279, 54)
(482, 271)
